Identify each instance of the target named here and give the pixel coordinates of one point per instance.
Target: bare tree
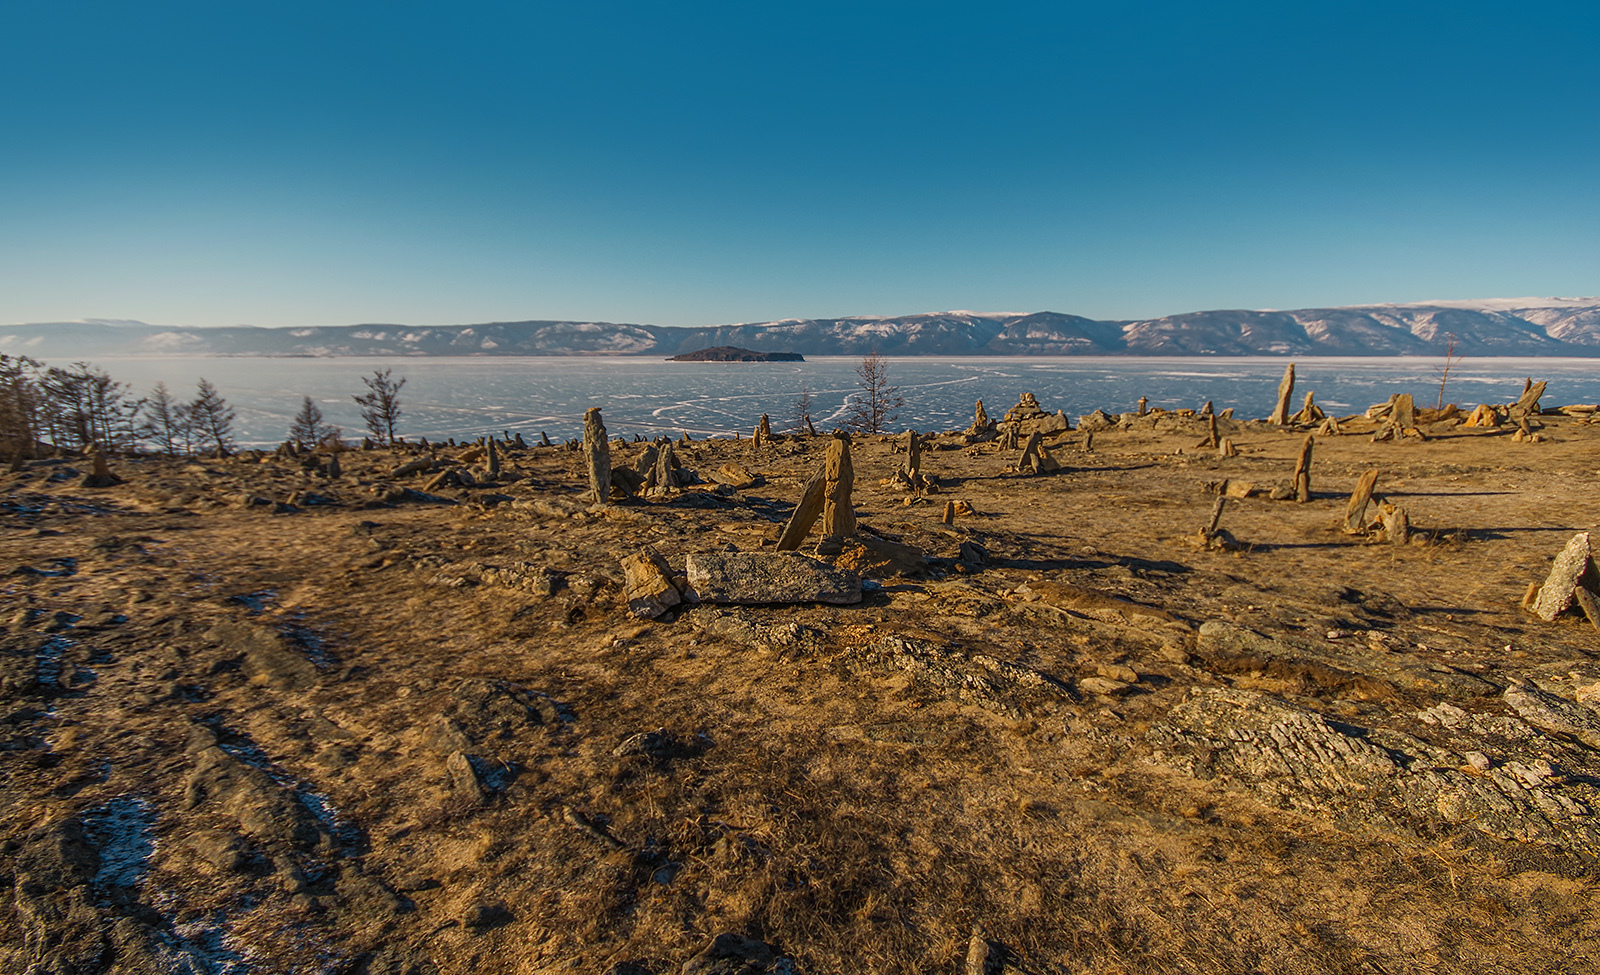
(19, 406)
(380, 408)
(1450, 360)
(308, 430)
(800, 415)
(212, 418)
(165, 420)
(877, 404)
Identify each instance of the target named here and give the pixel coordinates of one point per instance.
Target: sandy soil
(258, 719)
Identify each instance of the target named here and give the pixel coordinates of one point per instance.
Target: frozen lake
(469, 397)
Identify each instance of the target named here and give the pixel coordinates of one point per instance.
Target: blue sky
(691, 163)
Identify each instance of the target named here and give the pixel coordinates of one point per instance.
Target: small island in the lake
(729, 353)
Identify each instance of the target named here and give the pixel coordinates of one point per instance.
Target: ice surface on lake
(470, 397)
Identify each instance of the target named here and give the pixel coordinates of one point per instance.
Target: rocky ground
(261, 719)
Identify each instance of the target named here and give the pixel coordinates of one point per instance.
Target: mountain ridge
(1481, 327)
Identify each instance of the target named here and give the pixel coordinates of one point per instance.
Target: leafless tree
(380, 408)
(20, 402)
(1450, 360)
(800, 416)
(877, 404)
(308, 430)
(212, 418)
(166, 422)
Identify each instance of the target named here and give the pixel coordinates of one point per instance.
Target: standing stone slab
(1280, 413)
(1302, 471)
(1355, 513)
(838, 513)
(756, 578)
(805, 513)
(597, 454)
(1573, 567)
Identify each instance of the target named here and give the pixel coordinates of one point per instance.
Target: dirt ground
(259, 719)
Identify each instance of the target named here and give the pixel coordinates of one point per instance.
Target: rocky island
(730, 353)
(1143, 691)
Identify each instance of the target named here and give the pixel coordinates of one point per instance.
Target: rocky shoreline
(1131, 693)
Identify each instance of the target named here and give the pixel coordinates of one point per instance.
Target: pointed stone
(1280, 413)
(1355, 513)
(597, 456)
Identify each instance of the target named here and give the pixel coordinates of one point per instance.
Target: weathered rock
(805, 514)
(648, 581)
(736, 476)
(101, 476)
(752, 578)
(1302, 470)
(1293, 757)
(270, 658)
(997, 685)
(1573, 568)
(263, 809)
(1396, 523)
(490, 711)
(1528, 403)
(838, 513)
(1355, 512)
(597, 456)
(463, 778)
(1309, 413)
(412, 467)
(1280, 412)
(732, 954)
(1554, 713)
(1354, 670)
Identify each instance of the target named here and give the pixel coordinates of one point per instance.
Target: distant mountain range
(1492, 327)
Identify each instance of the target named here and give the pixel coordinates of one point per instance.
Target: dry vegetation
(233, 725)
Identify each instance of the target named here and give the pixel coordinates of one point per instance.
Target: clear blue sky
(690, 163)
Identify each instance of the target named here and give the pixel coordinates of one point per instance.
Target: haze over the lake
(290, 164)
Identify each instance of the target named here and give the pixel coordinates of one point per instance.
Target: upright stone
(805, 513)
(597, 454)
(1528, 403)
(980, 418)
(1405, 413)
(664, 477)
(493, 462)
(1302, 470)
(1396, 523)
(1144, 405)
(838, 516)
(1280, 413)
(913, 456)
(333, 468)
(1355, 513)
(1211, 429)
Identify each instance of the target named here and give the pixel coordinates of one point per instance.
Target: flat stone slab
(754, 578)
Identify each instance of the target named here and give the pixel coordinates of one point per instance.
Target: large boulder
(753, 578)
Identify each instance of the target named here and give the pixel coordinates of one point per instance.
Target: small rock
(731, 954)
(1118, 672)
(482, 917)
(1102, 685)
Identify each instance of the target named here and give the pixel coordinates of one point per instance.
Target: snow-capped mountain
(1499, 326)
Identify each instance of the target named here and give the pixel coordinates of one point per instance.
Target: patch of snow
(1493, 304)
